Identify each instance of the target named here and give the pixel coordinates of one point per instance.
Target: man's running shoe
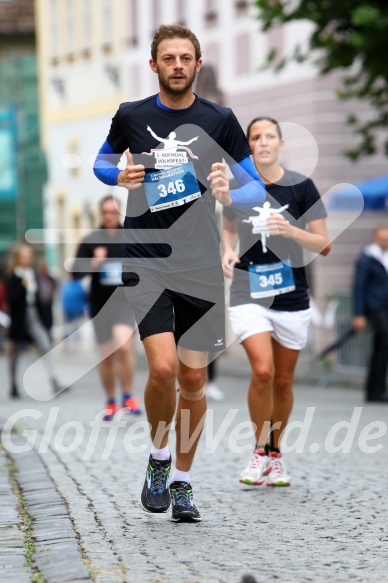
(257, 468)
(155, 496)
(131, 404)
(110, 411)
(277, 475)
(183, 507)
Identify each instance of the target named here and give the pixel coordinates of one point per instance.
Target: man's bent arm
(105, 165)
(252, 191)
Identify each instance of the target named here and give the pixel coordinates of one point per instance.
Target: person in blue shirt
(370, 304)
(175, 143)
(74, 303)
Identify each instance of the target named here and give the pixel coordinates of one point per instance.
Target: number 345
(274, 279)
(172, 188)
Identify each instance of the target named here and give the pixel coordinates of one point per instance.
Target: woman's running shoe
(258, 467)
(278, 474)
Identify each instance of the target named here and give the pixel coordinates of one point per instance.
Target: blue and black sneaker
(183, 507)
(155, 496)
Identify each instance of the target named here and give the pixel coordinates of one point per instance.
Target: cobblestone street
(330, 525)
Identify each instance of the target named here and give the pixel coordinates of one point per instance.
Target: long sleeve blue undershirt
(251, 192)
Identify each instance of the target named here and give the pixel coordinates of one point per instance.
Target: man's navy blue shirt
(191, 229)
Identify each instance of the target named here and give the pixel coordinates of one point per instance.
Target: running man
(113, 320)
(269, 300)
(171, 265)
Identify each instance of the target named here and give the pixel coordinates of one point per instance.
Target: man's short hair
(170, 31)
(380, 227)
(110, 198)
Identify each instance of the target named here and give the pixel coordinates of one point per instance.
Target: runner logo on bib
(259, 223)
(176, 184)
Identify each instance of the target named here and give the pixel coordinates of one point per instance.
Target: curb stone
(57, 556)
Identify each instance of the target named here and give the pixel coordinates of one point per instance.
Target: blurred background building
(22, 164)
(93, 54)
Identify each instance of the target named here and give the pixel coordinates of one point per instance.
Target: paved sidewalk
(330, 525)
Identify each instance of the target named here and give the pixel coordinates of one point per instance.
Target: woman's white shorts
(290, 329)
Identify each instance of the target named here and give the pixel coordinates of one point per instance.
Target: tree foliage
(349, 36)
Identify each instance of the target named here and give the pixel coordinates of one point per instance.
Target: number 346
(172, 188)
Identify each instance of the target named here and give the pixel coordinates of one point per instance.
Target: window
(211, 12)
(70, 27)
(76, 219)
(93, 212)
(242, 7)
(107, 16)
(243, 53)
(133, 24)
(156, 13)
(87, 24)
(181, 11)
(55, 38)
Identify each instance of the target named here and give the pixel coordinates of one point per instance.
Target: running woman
(269, 302)
(172, 266)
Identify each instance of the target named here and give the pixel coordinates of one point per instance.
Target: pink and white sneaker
(277, 475)
(258, 467)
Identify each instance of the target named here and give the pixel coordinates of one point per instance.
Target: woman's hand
(278, 225)
(228, 261)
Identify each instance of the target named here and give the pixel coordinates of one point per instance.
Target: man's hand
(99, 254)
(359, 323)
(220, 184)
(133, 175)
(229, 259)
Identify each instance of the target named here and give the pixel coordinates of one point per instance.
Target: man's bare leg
(190, 420)
(160, 391)
(191, 411)
(160, 402)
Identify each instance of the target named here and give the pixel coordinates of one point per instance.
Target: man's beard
(164, 83)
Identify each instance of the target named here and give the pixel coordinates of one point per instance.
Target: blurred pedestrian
(101, 256)
(269, 299)
(370, 303)
(22, 298)
(4, 318)
(46, 291)
(74, 302)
